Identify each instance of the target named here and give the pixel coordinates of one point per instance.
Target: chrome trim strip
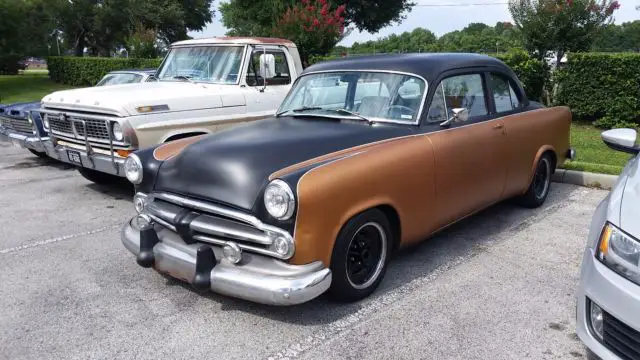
(257, 250)
(422, 104)
(216, 226)
(76, 114)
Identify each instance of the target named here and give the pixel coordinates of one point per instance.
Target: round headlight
(139, 201)
(279, 200)
(281, 246)
(45, 121)
(232, 252)
(133, 169)
(116, 130)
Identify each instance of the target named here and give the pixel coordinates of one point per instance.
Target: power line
(456, 5)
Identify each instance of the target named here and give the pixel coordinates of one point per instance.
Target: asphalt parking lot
(499, 285)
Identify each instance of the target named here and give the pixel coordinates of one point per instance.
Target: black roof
(427, 65)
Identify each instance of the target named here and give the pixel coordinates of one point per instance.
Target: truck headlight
(45, 122)
(620, 252)
(116, 131)
(279, 200)
(133, 169)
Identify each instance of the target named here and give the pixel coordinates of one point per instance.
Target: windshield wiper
(352, 113)
(183, 77)
(301, 109)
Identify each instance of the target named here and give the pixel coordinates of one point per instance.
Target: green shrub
(87, 71)
(9, 64)
(601, 87)
(533, 73)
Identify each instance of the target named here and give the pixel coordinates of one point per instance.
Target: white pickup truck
(201, 86)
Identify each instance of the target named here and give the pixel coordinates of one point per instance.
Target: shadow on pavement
(466, 238)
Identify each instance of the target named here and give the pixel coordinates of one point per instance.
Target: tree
(618, 38)
(560, 25)
(314, 26)
(258, 17)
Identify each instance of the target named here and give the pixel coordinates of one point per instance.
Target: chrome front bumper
(109, 164)
(257, 278)
(24, 141)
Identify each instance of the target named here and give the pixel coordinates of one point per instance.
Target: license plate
(74, 157)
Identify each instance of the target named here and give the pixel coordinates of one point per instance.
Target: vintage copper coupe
(365, 155)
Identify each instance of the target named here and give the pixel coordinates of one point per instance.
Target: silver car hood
(630, 201)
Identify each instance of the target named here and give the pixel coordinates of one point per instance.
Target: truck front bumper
(23, 140)
(88, 158)
(257, 278)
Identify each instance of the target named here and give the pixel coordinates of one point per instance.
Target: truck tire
(98, 177)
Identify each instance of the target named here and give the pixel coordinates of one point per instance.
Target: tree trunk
(559, 56)
(80, 44)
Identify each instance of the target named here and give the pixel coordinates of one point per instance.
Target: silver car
(608, 311)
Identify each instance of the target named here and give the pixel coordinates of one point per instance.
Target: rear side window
(503, 94)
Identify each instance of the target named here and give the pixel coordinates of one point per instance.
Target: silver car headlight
(279, 200)
(116, 131)
(45, 121)
(620, 252)
(133, 169)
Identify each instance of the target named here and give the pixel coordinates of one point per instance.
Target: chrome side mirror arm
(459, 114)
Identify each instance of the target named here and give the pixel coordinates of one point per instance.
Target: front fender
(396, 173)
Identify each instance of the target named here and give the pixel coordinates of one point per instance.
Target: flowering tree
(316, 26)
(560, 25)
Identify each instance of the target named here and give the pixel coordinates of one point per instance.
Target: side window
(504, 96)
(271, 65)
(460, 91)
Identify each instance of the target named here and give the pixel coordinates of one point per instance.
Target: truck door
(269, 76)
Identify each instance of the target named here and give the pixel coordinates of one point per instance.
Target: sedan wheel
(539, 188)
(360, 256)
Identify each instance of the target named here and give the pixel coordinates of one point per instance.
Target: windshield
(119, 78)
(377, 96)
(213, 64)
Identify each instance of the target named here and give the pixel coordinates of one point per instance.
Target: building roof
(427, 65)
(236, 40)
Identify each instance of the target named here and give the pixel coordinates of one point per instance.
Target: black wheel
(98, 177)
(360, 256)
(539, 188)
(37, 153)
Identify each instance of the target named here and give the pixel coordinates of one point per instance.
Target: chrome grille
(71, 126)
(17, 124)
(212, 224)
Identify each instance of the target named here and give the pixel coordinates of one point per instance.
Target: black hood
(233, 166)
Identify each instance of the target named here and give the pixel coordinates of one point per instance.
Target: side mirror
(622, 140)
(459, 114)
(267, 66)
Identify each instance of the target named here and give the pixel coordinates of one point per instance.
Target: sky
(441, 19)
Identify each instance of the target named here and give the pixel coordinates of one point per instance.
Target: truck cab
(202, 86)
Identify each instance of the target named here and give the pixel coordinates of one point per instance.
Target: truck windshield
(212, 64)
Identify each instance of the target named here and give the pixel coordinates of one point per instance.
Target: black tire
(37, 153)
(540, 185)
(98, 177)
(360, 256)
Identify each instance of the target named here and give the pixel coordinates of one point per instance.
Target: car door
(470, 170)
(268, 77)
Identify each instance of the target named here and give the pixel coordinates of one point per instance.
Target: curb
(582, 178)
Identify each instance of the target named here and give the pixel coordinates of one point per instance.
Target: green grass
(592, 154)
(27, 87)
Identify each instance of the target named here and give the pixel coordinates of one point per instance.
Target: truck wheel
(539, 188)
(98, 177)
(360, 256)
(37, 153)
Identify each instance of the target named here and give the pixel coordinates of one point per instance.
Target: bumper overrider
(258, 278)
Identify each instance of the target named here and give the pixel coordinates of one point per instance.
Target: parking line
(57, 239)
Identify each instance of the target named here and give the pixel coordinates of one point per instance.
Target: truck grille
(17, 124)
(72, 126)
(196, 221)
(621, 339)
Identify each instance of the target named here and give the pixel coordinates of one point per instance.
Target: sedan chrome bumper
(256, 278)
(23, 140)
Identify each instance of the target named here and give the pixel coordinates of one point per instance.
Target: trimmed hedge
(87, 71)
(604, 87)
(533, 73)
